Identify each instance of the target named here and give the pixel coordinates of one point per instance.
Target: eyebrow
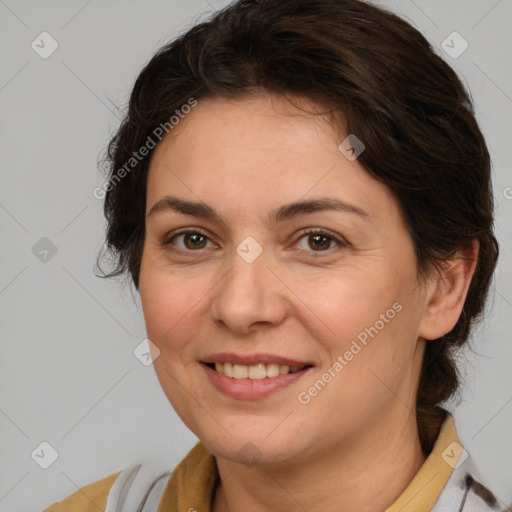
(281, 214)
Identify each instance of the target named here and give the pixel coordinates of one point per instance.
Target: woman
(301, 195)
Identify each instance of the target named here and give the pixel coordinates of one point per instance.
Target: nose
(251, 294)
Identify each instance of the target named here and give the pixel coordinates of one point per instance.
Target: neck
(364, 474)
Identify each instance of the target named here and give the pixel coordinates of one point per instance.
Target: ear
(446, 292)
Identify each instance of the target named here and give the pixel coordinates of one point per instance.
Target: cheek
(173, 304)
(370, 319)
(164, 301)
(373, 344)
(348, 301)
(166, 310)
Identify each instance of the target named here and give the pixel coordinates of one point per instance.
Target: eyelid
(322, 231)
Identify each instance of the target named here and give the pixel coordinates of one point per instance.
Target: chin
(250, 448)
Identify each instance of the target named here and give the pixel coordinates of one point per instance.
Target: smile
(254, 381)
(254, 372)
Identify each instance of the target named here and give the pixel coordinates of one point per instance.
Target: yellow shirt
(193, 482)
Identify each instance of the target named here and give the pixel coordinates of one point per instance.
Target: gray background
(68, 373)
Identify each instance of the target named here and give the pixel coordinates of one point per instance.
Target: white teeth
(227, 370)
(272, 370)
(255, 372)
(240, 371)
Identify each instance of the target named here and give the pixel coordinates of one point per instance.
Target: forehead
(258, 153)
(258, 124)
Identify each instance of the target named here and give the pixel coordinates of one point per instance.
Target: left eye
(318, 240)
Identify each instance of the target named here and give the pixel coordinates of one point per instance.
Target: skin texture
(244, 158)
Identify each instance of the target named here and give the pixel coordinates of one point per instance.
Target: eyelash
(308, 231)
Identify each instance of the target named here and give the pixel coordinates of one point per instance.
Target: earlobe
(447, 291)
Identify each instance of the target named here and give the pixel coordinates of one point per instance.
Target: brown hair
(395, 93)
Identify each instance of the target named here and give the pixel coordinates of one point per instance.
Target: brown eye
(320, 240)
(191, 240)
(194, 241)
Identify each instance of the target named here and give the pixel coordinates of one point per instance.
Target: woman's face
(248, 285)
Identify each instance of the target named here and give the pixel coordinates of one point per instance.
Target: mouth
(253, 377)
(256, 371)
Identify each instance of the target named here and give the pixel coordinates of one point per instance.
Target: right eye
(192, 239)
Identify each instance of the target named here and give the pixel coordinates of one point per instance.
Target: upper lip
(252, 359)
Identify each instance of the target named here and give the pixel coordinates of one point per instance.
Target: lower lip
(251, 388)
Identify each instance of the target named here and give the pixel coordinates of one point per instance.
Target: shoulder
(127, 489)
(91, 498)
(139, 486)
